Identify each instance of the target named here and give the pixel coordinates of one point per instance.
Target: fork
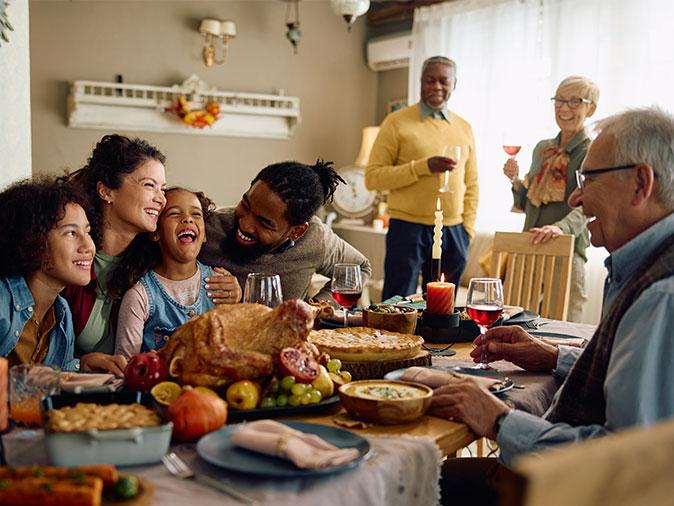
(178, 468)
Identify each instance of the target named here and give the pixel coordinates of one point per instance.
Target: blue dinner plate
(217, 449)
(505, 384)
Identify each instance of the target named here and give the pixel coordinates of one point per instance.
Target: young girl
(174, 290)
(45, 245)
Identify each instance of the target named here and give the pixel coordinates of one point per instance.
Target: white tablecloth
(401, 471)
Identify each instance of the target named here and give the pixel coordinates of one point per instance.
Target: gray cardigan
(571, 221)
(317, 251)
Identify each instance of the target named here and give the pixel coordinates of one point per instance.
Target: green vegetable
(126, 487)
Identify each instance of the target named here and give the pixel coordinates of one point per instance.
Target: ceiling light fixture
(350, 9)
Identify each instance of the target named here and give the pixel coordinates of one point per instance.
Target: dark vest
(580, 401)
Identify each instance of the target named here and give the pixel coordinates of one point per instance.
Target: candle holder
(439, 328)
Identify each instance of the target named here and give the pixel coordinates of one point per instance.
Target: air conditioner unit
(391, 52)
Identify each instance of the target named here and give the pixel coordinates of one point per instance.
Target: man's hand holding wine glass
(513, 344)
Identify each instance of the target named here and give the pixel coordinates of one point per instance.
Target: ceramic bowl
(403, 320)
(384, 401)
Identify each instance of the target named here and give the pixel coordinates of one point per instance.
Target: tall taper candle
(437, 243)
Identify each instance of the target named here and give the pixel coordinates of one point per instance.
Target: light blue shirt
(16, 307)
(639, 385)
(425, 111)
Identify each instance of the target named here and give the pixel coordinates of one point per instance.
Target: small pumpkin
(196, 413)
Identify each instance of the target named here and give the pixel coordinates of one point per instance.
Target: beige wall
(391, 85)
(156, 42)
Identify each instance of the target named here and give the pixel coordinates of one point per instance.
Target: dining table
(401, 468)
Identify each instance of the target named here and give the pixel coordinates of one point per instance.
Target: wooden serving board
(145, 495)
(377, 369)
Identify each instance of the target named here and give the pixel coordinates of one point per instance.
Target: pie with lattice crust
(364, 344)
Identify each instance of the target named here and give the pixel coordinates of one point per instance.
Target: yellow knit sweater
(399, 163)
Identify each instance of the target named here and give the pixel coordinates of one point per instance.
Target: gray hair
(645, 136)
(587, 87)
(438, 59)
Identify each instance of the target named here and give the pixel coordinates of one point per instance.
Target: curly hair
(304, 188)
(144, 254)
(114, 157)
(30, 209)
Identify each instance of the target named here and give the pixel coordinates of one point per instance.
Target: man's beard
(243, 254)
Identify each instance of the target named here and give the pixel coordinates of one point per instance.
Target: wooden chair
(537, 276)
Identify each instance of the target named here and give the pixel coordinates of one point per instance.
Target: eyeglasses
(573, 103)
(581, 175)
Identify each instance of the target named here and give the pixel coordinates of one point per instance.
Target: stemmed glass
(484, 306)
(263, 288)
(511, 149)
(453, 152)
(346, 287)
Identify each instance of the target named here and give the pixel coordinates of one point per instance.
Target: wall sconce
(214, 30)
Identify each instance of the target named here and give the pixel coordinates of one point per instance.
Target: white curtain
(511, 54)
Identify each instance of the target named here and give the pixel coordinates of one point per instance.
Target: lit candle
(437, 243)
(440, 297)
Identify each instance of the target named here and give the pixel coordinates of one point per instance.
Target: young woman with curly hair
(45, 245)
(172, 286)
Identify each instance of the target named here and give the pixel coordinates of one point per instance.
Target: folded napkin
(306, 451)
(74, 382)
(435, 378)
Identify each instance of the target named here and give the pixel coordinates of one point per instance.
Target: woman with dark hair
(45, 245)
(171, 288)
(124, 179)
(273, 229)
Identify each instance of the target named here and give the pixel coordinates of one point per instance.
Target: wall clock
(353, 199)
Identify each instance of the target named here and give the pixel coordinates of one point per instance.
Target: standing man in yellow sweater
(408, 159)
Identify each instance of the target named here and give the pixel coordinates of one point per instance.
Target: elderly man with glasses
(624, 376)
(544, 193)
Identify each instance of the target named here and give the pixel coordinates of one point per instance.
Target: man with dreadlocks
(273, 229)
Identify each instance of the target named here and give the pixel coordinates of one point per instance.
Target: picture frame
(395, 104)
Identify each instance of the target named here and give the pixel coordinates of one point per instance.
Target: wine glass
(346, 287)
(484, 305)
(453, 152)
(511, 148)
(263, 288)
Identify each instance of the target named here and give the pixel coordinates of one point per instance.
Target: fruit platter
(238, 362)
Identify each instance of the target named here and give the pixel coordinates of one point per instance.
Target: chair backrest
(537, 276)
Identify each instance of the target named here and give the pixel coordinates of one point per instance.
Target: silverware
(178, 468)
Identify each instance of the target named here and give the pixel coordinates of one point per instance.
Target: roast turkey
(236, 341)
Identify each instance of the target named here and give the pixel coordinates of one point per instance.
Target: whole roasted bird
(236, 341)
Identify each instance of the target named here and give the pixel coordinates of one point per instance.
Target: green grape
(287, 383)
(316, 396)
(274, 387)
(305, 398)
(334, 365)
(268, 402)
(298, 388)
(294, 400)
(346, 376)
(282, 400)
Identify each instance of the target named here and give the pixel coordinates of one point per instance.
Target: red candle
(440, 297)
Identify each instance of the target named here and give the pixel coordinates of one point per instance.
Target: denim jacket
(165, 314)
(16, 308)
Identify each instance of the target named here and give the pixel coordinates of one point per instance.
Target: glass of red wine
(346, 287)
(512, 150)
(484, 305)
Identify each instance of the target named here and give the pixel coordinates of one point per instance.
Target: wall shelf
(139, 107)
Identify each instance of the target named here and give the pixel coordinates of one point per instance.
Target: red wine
(484, 314)
(512, 150)
(346, 298)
